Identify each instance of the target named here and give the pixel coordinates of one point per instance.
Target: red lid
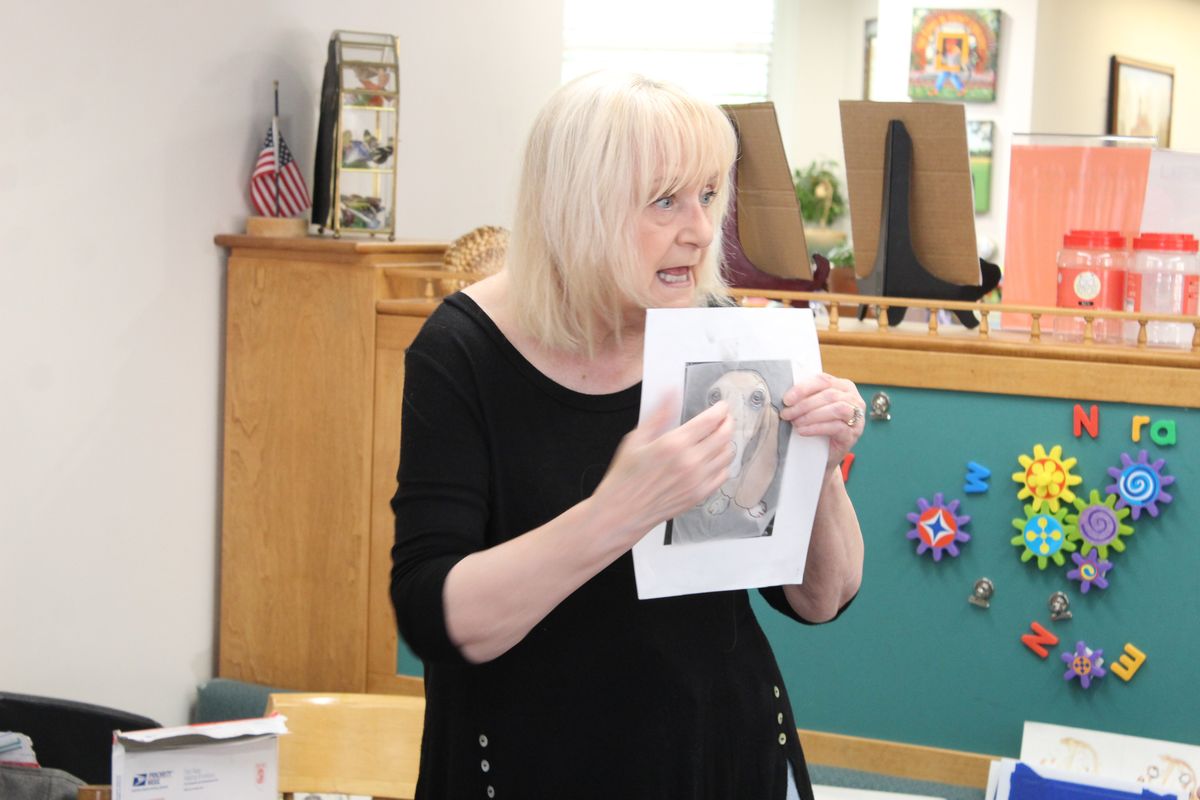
(1095, 240)
(1183, 242)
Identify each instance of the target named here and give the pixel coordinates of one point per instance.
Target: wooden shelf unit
(301, 374)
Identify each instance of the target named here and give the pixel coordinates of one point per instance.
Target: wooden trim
(391, 683)
(392, 335)
(314, 244)
(997, 373)
(916, 762)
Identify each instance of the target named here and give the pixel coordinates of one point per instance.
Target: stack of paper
(17, 749)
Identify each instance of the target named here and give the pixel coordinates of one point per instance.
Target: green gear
(1114, 514)
(1042, 536)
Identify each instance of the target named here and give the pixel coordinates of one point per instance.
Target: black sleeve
(778, 600)
(441, 503)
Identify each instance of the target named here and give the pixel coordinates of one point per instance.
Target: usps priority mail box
(236, 760)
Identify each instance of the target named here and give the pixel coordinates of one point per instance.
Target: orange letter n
(1090, 421)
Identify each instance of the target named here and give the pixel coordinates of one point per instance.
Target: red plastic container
(1091, 277)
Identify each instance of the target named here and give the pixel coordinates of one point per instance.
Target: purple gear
(1085, 664)
(1140, 484)
(1090, 570)
(937, 527)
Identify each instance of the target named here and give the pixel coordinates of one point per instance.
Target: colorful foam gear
(937, 527)
(1140, 485)
(1098, 524)
(1090, 571)
(1046, 478)
(1042, 536)
(1085, 664)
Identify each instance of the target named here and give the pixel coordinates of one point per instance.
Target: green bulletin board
(913, 661)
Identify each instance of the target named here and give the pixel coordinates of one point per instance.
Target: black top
(608, 696)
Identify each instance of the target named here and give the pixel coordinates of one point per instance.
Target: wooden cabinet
(311, 436)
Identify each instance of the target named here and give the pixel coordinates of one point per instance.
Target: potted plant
(819, 192)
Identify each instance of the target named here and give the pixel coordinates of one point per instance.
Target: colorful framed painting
(954, 55)
(1140, 98)
(979, 150)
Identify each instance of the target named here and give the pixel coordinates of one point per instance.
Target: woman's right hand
(494, 597)
(658, 472)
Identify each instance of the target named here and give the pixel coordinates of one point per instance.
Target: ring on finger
(855, 417)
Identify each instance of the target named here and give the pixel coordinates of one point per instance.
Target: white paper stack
(17, 749)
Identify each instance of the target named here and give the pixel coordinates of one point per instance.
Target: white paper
(1172, 186)
(1161, 766)
(276, 723)
(725, 543)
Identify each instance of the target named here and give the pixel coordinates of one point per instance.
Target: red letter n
(1039, 637)
(1090, 421)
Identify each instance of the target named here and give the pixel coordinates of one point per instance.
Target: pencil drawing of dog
(755, 442)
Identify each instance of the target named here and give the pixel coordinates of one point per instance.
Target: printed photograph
(744, 506)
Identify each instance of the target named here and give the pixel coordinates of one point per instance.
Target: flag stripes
(293, 193)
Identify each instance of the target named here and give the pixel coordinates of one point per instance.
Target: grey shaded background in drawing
(744, 506)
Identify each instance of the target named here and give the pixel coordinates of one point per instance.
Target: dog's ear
(759, 469)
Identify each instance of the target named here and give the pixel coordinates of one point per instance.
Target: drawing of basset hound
(755, 442)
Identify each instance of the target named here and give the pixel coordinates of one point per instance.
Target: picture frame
(1141, 97)
(954, 54)
(980, 135)
(870, 38)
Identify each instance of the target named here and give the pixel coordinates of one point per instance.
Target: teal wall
(912, 661)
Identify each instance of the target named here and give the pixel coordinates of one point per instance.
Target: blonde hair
(604, 147)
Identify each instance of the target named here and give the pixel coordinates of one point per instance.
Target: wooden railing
(1029, 360)
(984, 311)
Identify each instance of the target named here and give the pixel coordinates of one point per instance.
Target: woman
(525, 479)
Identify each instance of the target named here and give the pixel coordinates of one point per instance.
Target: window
(716, 49)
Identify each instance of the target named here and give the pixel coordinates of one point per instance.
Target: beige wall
(130, 128)
(1075, 40)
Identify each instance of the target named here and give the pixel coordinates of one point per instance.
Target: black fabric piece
(609, 696)
(71, 736)
(322, 194)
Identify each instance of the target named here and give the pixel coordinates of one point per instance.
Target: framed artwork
(1140, 97)
(979, 151)
(870, 35)
(954, 55)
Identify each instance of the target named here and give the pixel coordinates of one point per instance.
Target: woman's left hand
(822, 405)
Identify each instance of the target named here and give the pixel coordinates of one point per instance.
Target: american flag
(293, 194)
